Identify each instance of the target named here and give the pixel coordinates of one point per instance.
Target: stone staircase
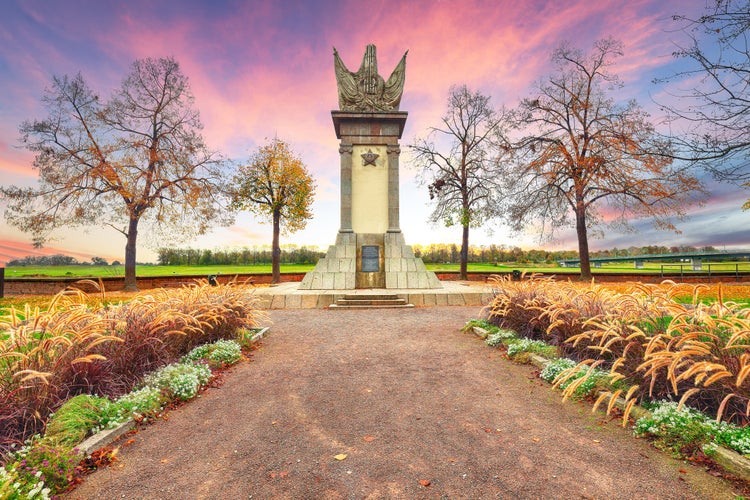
(370, 301)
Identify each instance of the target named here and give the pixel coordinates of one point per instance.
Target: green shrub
(78, 418)
(480, 323)
(244, 336)
(226, 352)
(198, 353)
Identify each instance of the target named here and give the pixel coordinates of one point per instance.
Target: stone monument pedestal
(341, 268)
(370, 251)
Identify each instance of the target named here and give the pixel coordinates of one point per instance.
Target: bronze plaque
(370, 259)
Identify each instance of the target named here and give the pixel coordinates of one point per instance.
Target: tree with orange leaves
(584, 154)
(275, 185)
(136, 157)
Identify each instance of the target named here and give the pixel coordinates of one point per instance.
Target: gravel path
(419, 409)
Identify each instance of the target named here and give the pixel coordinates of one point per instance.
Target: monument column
(394, 151)
(345, 151)
(370, 251)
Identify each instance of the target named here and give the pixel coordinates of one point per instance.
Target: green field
(154, 270)
(145, 270)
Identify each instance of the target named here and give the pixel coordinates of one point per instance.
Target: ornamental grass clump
(81, 346)
(651, 343)
(516, 305)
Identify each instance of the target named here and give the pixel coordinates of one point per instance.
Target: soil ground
(388, 404)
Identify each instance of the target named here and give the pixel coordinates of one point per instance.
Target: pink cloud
(260, 69)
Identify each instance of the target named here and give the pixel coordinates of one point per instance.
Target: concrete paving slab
(459, 293)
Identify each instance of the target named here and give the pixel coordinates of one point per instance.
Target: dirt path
(409, 399)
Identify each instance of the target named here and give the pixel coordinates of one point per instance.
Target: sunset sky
(260, 69)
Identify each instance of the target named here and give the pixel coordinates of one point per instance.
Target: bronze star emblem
(369, 158)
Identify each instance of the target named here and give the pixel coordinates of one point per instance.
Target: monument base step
(370, 302)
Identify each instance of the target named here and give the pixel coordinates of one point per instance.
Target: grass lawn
(613, 267)
(146, 270)
(154, 270)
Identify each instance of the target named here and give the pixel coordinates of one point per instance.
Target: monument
(370, 251)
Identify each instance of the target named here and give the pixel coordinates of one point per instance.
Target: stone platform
(338, 270)
(453, 293)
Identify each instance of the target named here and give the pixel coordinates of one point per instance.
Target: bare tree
(458, 163)
(584, 154)
(275, 184)
(138, 156)
(714, 102)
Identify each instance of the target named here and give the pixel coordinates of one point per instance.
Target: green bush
(77, 418)
(480, 323)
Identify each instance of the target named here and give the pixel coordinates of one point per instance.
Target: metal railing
(705, 270)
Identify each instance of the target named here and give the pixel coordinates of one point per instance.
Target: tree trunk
(132, 236)
(583, 242)
(275, 249)
(464, 253)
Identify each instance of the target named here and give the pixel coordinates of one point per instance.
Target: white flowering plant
(45, 466)
(564, 372)
(681, 429)
(179, 380)
(14, 488)
(499, 337)
(219, 353)
(140, 403)
(37, 470)
(555, 367)
(526, 345)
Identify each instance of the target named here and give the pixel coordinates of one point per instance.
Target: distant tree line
(651, 250)
(441, 253)
(436, 253)
(290, 254)
(57, 260)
